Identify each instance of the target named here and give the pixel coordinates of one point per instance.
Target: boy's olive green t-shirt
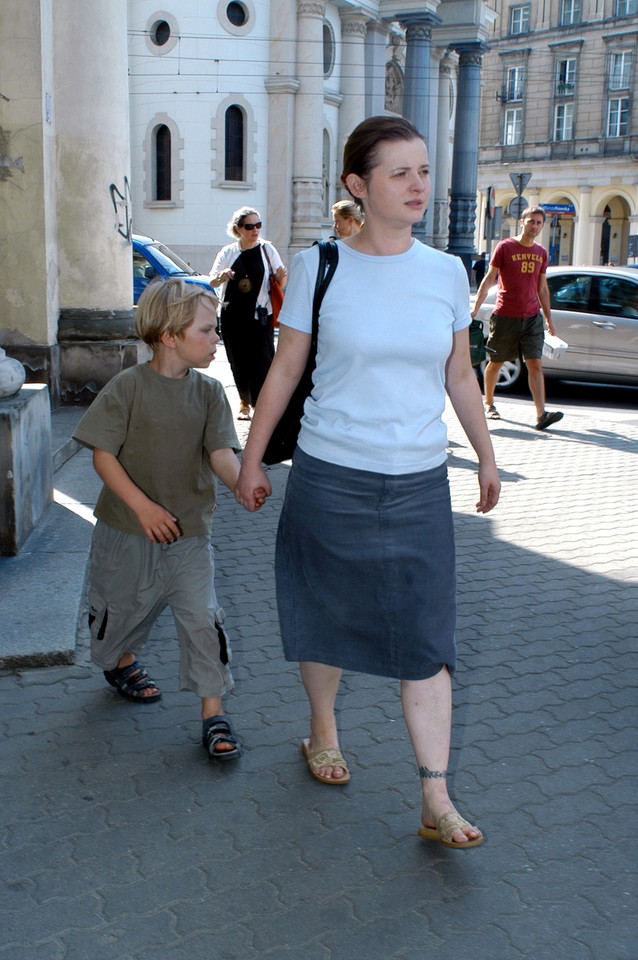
(162, 430)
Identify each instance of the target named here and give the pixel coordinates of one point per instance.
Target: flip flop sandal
(217, 730)
(492, 413)
(325, 758)
(445, 829)
(131, 682)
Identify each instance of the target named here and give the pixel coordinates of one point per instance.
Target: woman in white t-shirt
(365, 549)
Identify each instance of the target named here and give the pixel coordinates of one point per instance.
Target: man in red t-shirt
(516, 325)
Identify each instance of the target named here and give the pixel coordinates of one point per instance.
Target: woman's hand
(253, 487)
(281, 273)
(490, 488)
(218, 278)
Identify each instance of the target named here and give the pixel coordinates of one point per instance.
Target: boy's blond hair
(168, 306)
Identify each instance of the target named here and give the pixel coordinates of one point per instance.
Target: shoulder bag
(283, 441)
(275, 290)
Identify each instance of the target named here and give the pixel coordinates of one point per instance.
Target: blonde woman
(347, 218)
(242, 270)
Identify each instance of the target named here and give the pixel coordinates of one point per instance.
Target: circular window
(160, 33)
(236, 13)
(328, 49)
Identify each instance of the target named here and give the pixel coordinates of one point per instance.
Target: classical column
(375, 60)
(418, 69)
(282, 86)
(281, 132)
(465, 153)
(353, 71)
(441, 180)
(418, 84)
(584, 239)
(308, 142)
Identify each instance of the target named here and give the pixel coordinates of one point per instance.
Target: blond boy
(160, 433)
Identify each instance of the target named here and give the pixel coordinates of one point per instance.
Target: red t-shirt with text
(519, 271)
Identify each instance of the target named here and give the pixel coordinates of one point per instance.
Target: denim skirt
(365, 570)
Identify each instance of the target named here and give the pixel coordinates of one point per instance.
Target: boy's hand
(158, 524)
(253, 488)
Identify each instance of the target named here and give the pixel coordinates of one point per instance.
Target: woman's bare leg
(321, 683)
(427, 708)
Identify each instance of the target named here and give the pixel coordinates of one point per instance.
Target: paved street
(121, 840)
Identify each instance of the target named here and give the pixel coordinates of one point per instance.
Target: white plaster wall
(209, 66)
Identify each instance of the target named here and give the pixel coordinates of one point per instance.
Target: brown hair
(534, 209)
(168, 306)
(360, 154)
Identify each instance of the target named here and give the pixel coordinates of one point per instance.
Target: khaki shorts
(131, 581)
(511, 336)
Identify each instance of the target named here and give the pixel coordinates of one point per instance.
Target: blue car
(152, 259)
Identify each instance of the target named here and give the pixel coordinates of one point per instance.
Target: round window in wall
(236, 13)
(160, 33)
(328, 49)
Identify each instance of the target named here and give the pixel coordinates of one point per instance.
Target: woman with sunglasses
(242, 269)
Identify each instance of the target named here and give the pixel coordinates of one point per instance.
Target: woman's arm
(284, 375)
(221, 270)
(463, 390)
(158, 524)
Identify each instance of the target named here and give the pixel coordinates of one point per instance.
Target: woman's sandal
(325, 758)
(218, 730)
(131, 682)
(447, 826)
(492, 413)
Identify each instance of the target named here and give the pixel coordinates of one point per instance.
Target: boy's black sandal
(131, 682)
(217, 730)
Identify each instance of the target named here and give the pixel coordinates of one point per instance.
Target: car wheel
(511, 376)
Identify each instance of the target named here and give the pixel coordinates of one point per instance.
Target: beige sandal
(445, 829)
(325, 758)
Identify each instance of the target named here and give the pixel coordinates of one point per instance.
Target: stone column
(584, 239)
(442, 161)
(465, 153)
(92, 118)
(282, 86)
(28, 228)
(353, 71)
(281, 132)
(375, 50)
(307, 178)
(418, 86)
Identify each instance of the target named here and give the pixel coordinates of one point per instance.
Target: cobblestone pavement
(121, 840)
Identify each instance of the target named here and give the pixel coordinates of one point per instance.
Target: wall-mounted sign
(559, 209)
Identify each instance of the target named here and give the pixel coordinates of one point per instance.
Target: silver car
(595, 311)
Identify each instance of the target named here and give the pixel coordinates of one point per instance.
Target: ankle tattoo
(426, 774)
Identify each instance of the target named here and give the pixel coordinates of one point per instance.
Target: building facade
(251, 101)
(164, 120)
(559, 108)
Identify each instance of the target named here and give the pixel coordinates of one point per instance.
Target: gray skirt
(365, 569)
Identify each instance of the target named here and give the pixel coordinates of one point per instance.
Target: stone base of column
(462, 222)
(307, 213)
(26, 485)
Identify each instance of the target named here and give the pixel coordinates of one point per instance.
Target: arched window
(162, 163)
(234, 140)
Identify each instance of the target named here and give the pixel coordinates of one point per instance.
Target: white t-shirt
(385, 334)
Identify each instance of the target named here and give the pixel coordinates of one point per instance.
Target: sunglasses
(251, 226)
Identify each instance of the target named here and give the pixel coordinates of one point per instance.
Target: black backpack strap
(328, 260)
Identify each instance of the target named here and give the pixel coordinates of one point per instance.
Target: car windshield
(170, 261)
